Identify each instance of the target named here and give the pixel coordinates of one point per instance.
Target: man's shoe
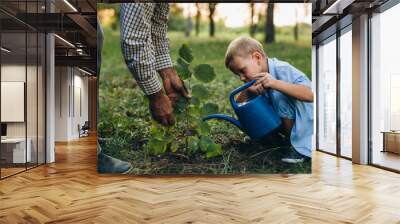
(294, 157)
(108, 164)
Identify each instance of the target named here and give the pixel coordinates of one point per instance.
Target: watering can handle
(238, 90)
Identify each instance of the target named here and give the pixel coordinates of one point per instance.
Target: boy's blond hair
(242, 46)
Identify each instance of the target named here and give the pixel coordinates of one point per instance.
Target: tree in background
(296, 26)
(211, 8)
(108, 15)
(252, 25)
(198, 16)
(269, 24)
(189, 25)
(176, 21)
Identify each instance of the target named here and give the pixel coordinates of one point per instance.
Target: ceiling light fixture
(337, 7)
(84, 71)
(70, 5)
(64, 40)
(5, 50)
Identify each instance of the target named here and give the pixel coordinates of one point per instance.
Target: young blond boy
(289, 90)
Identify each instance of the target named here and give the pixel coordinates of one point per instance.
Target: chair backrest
(86, 125)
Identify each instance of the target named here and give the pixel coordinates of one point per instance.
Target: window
(385, 88)
(22, 77)
(346, 92)
(327, 95)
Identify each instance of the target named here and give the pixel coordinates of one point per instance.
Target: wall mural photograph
(205, 88)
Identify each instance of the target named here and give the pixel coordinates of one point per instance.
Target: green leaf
(203, 128)
(154, 130)
(209, 108)
(193, 113)
(157, 146)
(204, 143)
(182, 68)
(200, 91)
(195, 101)
(186, 53)
(213, 150)
(204, 73)
(180, 105)
(157, 133)
(193, 143)
(174, 146)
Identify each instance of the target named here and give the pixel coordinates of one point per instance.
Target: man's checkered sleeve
(137, 47)
(159, 30)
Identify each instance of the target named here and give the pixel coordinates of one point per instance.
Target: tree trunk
(211, 7)
(296, 28)
(189, 25)
(269, 24)
(198, 15)
(252, 25)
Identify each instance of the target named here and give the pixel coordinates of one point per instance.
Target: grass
(124, 117)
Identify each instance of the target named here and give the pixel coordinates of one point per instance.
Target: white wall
(62, 81)
(70, 83)
(12, 73)
(34, 124)
(80, 94)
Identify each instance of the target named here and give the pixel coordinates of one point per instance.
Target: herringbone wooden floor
(71, 191)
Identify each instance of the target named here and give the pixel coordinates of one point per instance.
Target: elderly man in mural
(145, 48)
(106, 163)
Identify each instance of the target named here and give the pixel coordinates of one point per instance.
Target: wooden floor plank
(71, 191)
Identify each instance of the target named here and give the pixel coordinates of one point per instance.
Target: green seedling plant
(190, 135)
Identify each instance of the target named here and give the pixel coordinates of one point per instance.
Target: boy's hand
(242, 97)
(297, 91)
(264, 81)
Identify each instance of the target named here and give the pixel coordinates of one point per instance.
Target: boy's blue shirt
(288, 107)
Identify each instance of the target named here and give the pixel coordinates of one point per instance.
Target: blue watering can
(256, 117)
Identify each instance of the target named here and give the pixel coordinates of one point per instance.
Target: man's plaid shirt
(144, 42)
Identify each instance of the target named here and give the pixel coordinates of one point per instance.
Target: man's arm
(173, 85)
(137, 47)
(139, 55)
(159, 37)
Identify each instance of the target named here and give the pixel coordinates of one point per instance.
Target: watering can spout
(225, 118)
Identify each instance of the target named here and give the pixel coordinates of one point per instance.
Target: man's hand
(173, 85)
(161, 108)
